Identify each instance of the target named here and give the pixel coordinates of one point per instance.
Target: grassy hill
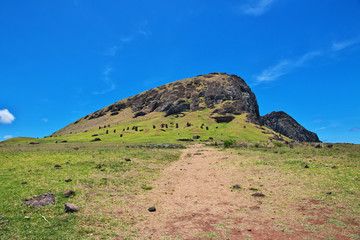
(200, 123)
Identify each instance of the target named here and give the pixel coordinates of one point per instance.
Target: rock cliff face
(284, 124)
(222, 93)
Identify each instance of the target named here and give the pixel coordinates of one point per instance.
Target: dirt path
(194, 199)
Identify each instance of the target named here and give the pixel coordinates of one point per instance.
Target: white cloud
(107, 80)
(45, 120)
(257, 8)
(338, 46)
(126, 39)
(6, 117)
(285, 67)
(112, 51)
(8, 136)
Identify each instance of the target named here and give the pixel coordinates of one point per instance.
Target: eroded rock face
(225, 94)
(284, 124)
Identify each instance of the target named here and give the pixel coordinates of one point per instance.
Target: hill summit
(222, 96)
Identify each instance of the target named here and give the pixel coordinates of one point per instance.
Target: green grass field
(105, 185)
(100, 177)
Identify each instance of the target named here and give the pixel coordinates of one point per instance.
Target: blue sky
(61, 60)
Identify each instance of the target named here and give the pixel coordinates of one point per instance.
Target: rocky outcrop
(223, 93)
(284, 124)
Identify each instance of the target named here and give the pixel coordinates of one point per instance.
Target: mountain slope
(219, 98)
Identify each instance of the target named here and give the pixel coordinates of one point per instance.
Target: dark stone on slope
(69, 207)
(284, 124)
(258, 195)
(95, 140)
(152, 209)
(139, 114)
(223, 119)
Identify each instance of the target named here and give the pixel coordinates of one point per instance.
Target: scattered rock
(63, 219)
(334, 167)
(306, 166)
(2, 217)
(64, 141)
(236, 187)
(95, 140)
(95, 135)
(253, 189)
(45, 199)
(57, 166)
(127, 159)
(68, 193)
(185, 140)
(255, 208)
(196, 137)
(329, 193)
(258, 195)
(27, 217)
(152, 209)
(318, 145)
(32, 143)
(329, 145)
(68, 180)
(249, 229)
(24, 182)
(76, 148)
(69, 207)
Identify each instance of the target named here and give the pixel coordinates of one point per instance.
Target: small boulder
(68, 193)
(318, 145)
(328, 193)
(95, 140)
(63, 219)
(24, 182)
(258, 195)
(127, 159)
(196, 137)
(69, 207)
(2, 217)
(57, 166)
(236, 186)
(68, 180)
(152, 209)
(306, 166)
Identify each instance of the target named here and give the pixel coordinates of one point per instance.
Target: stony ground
(196, 198)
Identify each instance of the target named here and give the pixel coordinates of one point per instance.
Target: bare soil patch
(195, 199)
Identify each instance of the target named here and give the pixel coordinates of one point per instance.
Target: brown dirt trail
(194, 199)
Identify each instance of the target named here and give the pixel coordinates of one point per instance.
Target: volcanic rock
(284, 124)
(69, 207)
